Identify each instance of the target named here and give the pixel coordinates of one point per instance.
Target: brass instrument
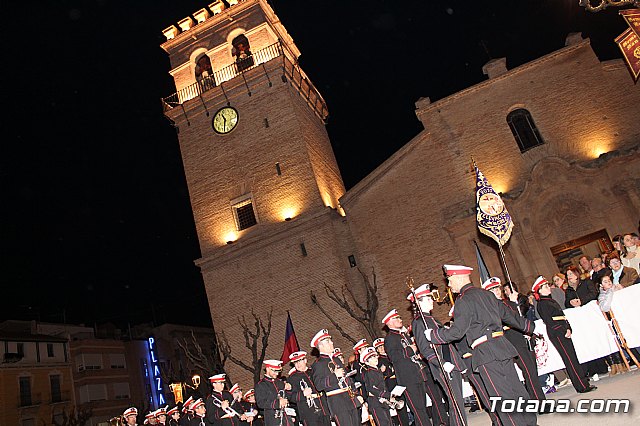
(311, 401)
(117, 421)
(228, 410)
(396, 404)
(281, 412)
(342, 381)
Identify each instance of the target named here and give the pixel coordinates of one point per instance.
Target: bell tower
(263, 180)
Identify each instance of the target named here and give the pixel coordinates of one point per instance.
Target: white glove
(427, 334)
(448, 367)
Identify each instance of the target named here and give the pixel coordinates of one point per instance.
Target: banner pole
(506, 269)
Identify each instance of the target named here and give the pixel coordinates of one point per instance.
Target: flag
(290, 341)
(629, 44)
(482, 267)
(493, 218)
(632, 16)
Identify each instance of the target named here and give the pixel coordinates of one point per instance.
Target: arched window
(242, 52)
(204, 72)
(524, 129)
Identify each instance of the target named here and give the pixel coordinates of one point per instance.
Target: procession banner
(492, 217)
(547, 356)
(590, 333)
(625, 308)
(629, 44)
(632, 16)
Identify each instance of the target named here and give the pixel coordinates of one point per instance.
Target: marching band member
(401, 416)
(173, 416)
(250, 408)
(200, 411)
(329, 377)
(312, 406)
(358, 378)
(413, 374)
(236, 393)
(478, 318)
(526, 359)
(130, 416)
(559, 332)
(451, 378)
(218, 415)
(150, 418)
(271, 395)
(375, 386)
(187, 412)
(161, 415)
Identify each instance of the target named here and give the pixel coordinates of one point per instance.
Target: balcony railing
(225, 74)
(295, 75)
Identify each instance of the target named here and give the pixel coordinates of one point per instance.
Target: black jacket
(478, 313)
(586, 292)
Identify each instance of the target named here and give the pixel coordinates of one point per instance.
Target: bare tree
(252, 339)
(365, 313)
(200, 361)
(76, 416)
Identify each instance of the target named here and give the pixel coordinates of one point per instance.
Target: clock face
(225, 120)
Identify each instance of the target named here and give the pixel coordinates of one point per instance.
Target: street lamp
(196, 381)
(603, 4)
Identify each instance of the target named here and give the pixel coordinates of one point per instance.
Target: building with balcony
(36, 381)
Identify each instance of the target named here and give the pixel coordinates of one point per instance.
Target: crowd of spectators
(597, 279)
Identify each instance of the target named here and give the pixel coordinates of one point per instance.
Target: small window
(524, 129)
(56, 395)
(25, 391)
(244, 214)
(117, 361)
(20, 347)
(121, 390)
(50, 350)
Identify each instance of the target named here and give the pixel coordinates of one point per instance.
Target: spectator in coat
(580, 292)
(622, 275)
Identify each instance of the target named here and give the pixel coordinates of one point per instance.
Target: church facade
(275, 223)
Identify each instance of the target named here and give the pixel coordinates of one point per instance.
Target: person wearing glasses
(559, 332)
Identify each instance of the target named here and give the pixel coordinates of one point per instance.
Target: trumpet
(342, 381)
(311, 402)
(228, 410)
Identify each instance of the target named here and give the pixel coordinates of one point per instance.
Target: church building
(275, 224)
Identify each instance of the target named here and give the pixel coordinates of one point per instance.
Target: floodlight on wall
(230, 237)
(288, 213)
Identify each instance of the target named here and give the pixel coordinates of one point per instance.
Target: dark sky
(96, 222)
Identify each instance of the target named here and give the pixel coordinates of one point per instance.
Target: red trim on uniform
(497, 393)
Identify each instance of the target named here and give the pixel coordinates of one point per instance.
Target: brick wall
(415, 212)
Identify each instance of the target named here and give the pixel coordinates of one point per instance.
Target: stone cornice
(565, 51)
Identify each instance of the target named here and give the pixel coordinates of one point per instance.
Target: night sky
(96, 220)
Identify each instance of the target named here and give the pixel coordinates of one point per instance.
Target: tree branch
(344, 334)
